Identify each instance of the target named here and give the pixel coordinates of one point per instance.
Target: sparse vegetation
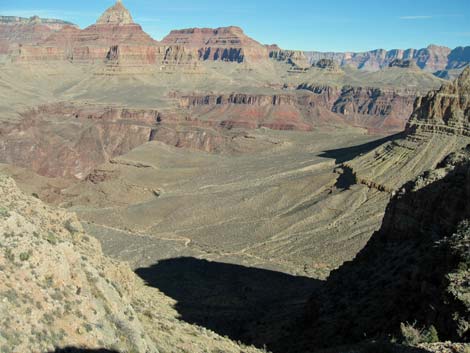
(24, 256)
(4, 213)
(412, 336)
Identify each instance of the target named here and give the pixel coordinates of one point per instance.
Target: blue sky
(332, 25)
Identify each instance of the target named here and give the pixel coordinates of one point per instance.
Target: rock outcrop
(376, 109)
(229, 44)
(16, 31)
(87, 136)
(414, 270)
(438, 126)
(327, 64)
(431, 59)
(295, 58)
(403, 64)
(116, 15)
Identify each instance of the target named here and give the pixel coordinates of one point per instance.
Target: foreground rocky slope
(58, 290)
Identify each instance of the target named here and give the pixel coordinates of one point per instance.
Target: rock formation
(104, 133)
(15, 31)
(438, 126)
(116, 15)
(221, 44)
(295, 58)
(378, 110)
(432, 59)
(403, 64)
(414, 270)
(327, 64)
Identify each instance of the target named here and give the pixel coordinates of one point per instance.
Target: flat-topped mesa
(220, 44)
(116, 15)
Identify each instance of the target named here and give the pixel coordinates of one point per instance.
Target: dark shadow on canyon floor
(342, 155)
(247, 304)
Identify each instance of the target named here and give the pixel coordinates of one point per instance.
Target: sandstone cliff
(220, 44)
(432, 59)
(438, 126)
(15, 31)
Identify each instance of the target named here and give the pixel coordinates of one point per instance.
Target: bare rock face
(15, 31)
(459, 58)
(116, 15)
(295, 58)
(431, 59)
(403, 64)
(221, 44)
(327, 64)
(446, 110)
(103, 134)
(438, 126)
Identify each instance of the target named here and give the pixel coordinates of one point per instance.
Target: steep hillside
(414, 270)
(438, 126)
(58, 290)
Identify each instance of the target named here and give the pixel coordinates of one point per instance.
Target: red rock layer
(377, 110)
(220, 44)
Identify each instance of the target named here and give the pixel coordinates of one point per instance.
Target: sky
(325, 25)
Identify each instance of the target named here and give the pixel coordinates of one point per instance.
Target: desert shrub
(431, 335)
(51, 238)
(24, 256)
(4, 212)
(9, 255)
(412, 336)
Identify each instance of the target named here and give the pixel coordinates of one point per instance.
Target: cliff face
(18, 30)
(103, 134)
(413, 270)
(432, 59)
(378, 110)
(220, 44)
(438, 126)
(446, 110)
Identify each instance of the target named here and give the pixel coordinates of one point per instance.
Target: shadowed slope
(415, 269)
(247, 304)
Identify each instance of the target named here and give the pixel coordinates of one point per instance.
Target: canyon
(209, 193)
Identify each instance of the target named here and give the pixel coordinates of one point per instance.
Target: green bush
(412, 336)
(24, 256)
(4, 212)
(431, 335)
